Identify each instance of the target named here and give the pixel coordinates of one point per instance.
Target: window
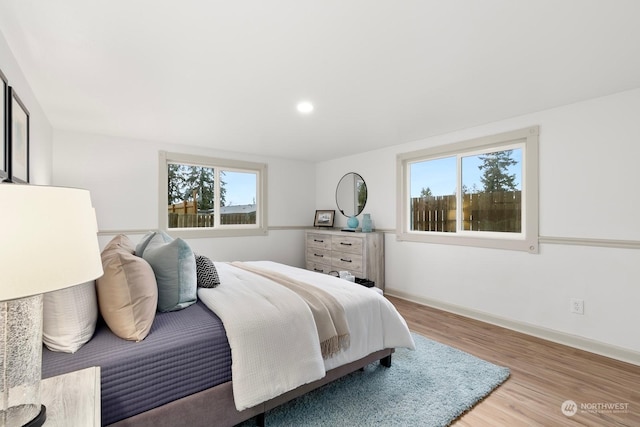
(482, 192)
(203, 197)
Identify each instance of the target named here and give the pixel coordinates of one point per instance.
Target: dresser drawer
(347, 261)
(322, 241)
(319, 255)
(352, 245)
(320, 268)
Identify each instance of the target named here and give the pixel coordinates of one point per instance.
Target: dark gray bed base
(215, 406)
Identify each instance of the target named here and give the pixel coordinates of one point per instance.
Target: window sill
(199, 233)
(526, 245)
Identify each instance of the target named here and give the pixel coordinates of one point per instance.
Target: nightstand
(73, 399)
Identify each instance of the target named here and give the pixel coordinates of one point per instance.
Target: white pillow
(69, 317)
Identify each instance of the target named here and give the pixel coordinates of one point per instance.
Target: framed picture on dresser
(324, 218)
(4, 140)
(18, 144)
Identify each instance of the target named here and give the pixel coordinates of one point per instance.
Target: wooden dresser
(361, 254)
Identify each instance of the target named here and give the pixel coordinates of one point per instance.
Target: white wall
(589, 176)
(122, 176)
(41, 133)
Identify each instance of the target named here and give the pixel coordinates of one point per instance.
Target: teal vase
(353, 222)
(367, 224)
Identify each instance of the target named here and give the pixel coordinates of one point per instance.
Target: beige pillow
(127, 292)
(119, 243)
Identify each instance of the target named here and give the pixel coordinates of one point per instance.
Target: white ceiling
(228, 74)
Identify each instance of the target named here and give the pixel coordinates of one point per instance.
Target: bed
(181, 373)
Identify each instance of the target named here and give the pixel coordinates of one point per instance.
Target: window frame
(526, 240)
(223, 230)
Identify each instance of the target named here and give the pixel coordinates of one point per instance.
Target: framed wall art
(18, 139)
(4, 138)
(324, 218)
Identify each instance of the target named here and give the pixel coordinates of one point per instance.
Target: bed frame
(217, 404)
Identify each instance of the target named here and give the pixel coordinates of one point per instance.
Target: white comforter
(273, 338)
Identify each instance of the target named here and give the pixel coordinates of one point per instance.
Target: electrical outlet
(577, 306)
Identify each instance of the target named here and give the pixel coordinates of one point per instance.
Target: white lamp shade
(48, 239)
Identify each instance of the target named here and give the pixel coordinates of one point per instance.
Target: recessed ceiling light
(305, 107)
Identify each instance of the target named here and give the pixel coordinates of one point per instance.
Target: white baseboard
(592, 346)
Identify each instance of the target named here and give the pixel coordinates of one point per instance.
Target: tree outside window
(211, 194)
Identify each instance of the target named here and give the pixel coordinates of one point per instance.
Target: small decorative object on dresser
(352, 223)
(361, 254)
(324, 218)
(367, 223)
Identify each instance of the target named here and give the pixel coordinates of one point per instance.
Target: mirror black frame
(351, 194)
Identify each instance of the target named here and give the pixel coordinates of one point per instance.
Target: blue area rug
(431, 386)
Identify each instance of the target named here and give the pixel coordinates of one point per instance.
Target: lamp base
(14, 412)
(39, 419)
(21, 345)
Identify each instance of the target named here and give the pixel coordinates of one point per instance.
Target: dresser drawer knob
(318, 240)
(345, 260)
(319, 255)
(345, 244)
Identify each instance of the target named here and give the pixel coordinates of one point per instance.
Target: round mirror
(351, 194)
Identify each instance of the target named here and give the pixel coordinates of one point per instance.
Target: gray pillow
(174, 266)
(142, 244)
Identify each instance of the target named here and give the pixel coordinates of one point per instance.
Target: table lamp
(48, 241)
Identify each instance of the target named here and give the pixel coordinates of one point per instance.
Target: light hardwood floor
(543, 374)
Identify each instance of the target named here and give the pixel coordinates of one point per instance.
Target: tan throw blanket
(328, 313)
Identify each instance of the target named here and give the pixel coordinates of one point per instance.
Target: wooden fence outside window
(185, 215)
(499, 211)
(206, 220)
